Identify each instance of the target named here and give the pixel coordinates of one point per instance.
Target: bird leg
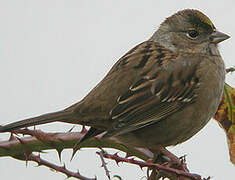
(165, 157)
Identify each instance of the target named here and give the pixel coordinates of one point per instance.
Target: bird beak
(217, 37)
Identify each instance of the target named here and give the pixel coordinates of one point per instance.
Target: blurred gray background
(53, 52)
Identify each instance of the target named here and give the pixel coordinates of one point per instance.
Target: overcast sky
(53, 52)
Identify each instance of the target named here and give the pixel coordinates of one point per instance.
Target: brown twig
(40, 141)
(62, 169)
(142, 164)
(29, 156)
(21, 148)
(104, 164)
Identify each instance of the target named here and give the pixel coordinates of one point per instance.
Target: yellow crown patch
(204, 18)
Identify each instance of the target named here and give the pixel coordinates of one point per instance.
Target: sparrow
(160, 93)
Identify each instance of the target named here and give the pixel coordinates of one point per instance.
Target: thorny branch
(22, 148)
(62, 169)
(151, 165)
(39, 141)
(101, 154)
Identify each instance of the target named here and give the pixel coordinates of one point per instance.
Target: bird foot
(166, 158)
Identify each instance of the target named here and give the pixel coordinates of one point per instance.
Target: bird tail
(63, 116)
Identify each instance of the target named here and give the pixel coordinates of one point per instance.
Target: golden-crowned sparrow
(160, 93)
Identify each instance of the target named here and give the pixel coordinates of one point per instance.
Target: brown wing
(164, 88)
(132, 70)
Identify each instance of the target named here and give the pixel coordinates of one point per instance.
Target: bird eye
(193, 34)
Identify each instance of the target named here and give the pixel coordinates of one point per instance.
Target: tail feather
(63, 116)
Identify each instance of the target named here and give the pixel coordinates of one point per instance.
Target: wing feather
(163, 89)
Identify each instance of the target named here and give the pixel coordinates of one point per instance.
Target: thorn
(23, 133)
(26, 159)
(132, 159)
(59, 151)
(64, 166)
(78, 172)
(84, 130)
(12, 137)
(26, 163)
(102, 150)
(68, 176)
(75, 149)
(104, 164)
(20, 140)
(128, 155)
(44, 152)
(70, 130)
(141, 166)
(115, 154)
(53, 170)
(183, 158)
(39, 164)
(116, 159)
(40, 151)
(27, 156)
